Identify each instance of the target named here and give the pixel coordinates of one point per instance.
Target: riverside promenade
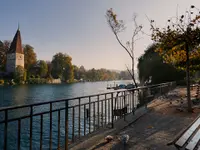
(149, 129)
(66, 123)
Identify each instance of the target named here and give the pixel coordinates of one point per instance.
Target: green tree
(19, 74)
(82, 72)
(4, 47)
(2, 55)
(179, 43)
(69, 72)
(49, 65)
(43, 68)
(76, 72)
(62, 66)
(149, 64)
(30, 57)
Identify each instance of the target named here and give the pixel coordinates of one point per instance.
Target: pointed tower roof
(16, 45)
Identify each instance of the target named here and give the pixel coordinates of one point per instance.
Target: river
(29, 94)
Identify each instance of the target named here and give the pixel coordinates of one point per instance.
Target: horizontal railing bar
(81, 104)
(63, 100)
(95, 101)
(28, 116)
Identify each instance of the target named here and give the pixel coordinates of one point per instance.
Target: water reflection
(19, 94)
(28, 94)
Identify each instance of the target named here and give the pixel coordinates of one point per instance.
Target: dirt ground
(167, 116)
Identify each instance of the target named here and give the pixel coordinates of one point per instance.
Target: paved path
(155, 129)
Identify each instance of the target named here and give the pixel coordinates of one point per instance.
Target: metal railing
(56, 124)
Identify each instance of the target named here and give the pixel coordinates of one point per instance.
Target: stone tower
(15, 55)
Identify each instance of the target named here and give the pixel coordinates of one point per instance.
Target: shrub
(32, 76)
(19, 75)
(1, 82)
(37, 81)
(25, 75)
(37, 76)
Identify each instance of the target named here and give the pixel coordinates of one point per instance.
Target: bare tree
(118, 26)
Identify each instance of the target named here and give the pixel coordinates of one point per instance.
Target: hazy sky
(79, 27)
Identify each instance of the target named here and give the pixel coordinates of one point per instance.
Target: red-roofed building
(15, 55)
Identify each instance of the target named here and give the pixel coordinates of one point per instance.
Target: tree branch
(132, 75)
(122, 45)
(129, 71)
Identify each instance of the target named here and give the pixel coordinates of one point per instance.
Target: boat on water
(130, 86)
(122, 86)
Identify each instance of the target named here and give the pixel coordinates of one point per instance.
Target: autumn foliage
(181, 32)
(179, 43)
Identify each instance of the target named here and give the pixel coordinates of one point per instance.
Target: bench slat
(194, 141)
(188, 133)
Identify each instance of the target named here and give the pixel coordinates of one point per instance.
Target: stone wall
(55, 81)
(10, 62)
(13, 60)
(19, 60)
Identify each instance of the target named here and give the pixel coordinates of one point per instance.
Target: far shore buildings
(15, 54)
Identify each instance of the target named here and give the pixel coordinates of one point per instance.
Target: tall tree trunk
(133, 73)
(188, 79)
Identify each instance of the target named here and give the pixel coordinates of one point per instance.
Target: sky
(79, 28)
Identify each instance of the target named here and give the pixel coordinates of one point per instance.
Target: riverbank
(36, 81)
(157, 127)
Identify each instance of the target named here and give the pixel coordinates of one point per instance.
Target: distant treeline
(99, 74)
(59, 67)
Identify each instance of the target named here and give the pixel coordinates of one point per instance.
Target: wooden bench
(189, 138)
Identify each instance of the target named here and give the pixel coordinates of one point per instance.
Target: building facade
(15, 55)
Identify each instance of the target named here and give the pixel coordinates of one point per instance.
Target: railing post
(31, 126)
(98, 110)
(94, 113)
(66, 125)
(50, 138)
(112, 110)
(19, 134)
(124, 104)
(133, 101)
(101, 113)
(79, 118)
(89, 114)
(5, 129)
(73, 125)
(160, 90)
(84, 116)
(146, 100)
(105, 109)
(41, 130)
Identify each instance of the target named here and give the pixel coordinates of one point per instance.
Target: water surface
(29, 94)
